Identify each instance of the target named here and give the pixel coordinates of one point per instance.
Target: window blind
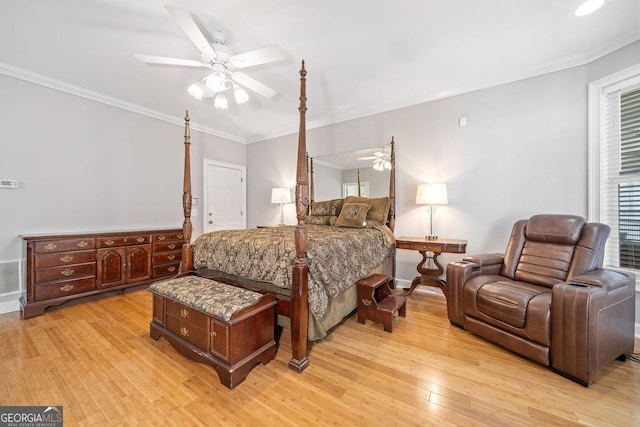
(621, 177)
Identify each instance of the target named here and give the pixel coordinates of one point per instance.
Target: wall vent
(10, 275)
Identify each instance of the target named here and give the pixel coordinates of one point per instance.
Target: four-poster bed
(299, 262)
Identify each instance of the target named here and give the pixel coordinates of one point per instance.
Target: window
(614, 176)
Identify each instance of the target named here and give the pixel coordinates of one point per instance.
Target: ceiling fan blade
(254, 85)
(265, 55)
(190, 28)
(366, 158)
(150, 59)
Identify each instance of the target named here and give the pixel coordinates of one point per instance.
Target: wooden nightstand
(430, 250)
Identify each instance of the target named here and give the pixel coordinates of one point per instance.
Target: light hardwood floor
(96, 359)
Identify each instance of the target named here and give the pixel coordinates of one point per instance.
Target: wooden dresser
(69, 266)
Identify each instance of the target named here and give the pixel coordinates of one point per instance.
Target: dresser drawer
(66, 272)
(48, 246)
(167, 237)
(133, 239)
(187, 314)
(167, 246)
(196, 336)
(165, 257)
(165, 270)
(63, 258)
(62, 289)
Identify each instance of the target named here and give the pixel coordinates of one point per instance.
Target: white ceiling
(362, 56)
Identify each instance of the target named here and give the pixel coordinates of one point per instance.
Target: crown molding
(48, 82)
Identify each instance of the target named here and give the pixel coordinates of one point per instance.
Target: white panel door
(224, 193)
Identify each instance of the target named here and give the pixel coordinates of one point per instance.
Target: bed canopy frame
(296, 305)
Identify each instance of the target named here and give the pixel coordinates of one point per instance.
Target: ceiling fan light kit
(221, 61)
(220, 101)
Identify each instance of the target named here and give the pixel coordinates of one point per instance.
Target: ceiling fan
(222, 62)
(381, 159)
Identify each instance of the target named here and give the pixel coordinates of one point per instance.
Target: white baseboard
(10, 305)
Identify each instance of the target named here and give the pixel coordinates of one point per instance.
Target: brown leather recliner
(548, 297)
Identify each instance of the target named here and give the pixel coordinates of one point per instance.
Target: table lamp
(282, 196)
(432, 195)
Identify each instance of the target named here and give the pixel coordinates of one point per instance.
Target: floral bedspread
(337, 256)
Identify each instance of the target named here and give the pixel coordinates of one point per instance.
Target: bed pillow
(379, 210)
(353, 215)
(327, 207)
(321, 219)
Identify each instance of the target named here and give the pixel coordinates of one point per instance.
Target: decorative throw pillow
(379, 207)
(353, 215)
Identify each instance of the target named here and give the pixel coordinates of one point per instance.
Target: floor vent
(9, 276)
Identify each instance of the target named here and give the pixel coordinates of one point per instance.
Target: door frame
(205, 185)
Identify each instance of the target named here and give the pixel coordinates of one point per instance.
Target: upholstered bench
(227, 327)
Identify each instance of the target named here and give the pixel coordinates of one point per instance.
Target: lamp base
(431, 238)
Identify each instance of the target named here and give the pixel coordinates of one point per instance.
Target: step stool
(377, 303)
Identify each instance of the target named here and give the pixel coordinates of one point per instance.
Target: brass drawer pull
(161, 238)
(66, 288)
(66, 258)
(171, 257)
(82, 244)
(50, 246)
(366, 302)
(180, 236)
(171, 246)
(214, 333)
(184, 312)
(140, 239)
(184, 331)
(171, 269)
(67, 272)
(108, 242)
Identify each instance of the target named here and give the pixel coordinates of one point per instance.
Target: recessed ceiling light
(588, 7)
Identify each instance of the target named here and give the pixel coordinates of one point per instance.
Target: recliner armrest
(592, 320)
(605, 278)
(485, 259)
(459, 273)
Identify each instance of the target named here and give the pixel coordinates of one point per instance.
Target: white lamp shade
(432, 194)
(280, 195)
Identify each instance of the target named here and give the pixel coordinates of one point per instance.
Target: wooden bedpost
(187, 250)
(299, 293)
(392, 187)
(311, 189)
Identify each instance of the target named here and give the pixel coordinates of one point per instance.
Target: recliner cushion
(518, 308)
(505, 301)
(563, 229)
(544, 263)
